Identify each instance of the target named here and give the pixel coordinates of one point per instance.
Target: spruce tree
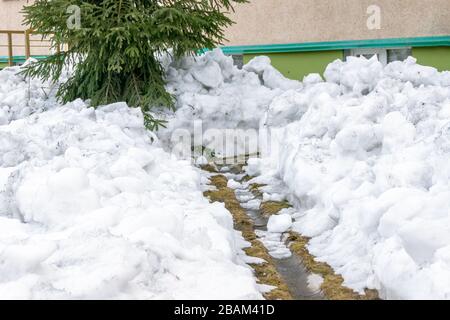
(118, 42)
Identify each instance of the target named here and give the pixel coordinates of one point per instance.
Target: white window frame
(381, 53)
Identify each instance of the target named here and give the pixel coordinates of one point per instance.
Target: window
(399, 54)
(238, 60)
(369, 53)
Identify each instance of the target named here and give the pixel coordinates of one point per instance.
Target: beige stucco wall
(294, 21)
(9, 14)
(11, 19)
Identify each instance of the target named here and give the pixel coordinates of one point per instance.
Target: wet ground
(289, 265)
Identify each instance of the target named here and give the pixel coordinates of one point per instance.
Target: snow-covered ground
(365, 156)
(91, 206)
(213, 96)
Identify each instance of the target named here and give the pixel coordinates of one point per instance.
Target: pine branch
(116, 48)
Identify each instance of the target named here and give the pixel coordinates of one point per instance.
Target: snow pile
(274, 239)
(365, 157)
(20, 97)
(92, 207)
(210, 89)
(275, 244)
(279, 223)
(314, 282)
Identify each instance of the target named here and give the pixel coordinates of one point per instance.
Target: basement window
(400, 54)
(238, 60)
(385, 56)
(369, 53)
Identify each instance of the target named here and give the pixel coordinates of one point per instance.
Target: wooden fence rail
(27, 44)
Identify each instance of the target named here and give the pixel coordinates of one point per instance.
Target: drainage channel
(288, 265)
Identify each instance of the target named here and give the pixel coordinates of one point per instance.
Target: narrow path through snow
(301, 284)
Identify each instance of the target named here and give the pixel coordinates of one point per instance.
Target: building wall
(265, 22)
(296, 65)
(10, 17)
(297, 21)
(438, 57)
(294, 21)
(290, 21)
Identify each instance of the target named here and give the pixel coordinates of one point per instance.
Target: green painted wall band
(19, 59)
(437, 41)
(437, 57)
(296, 65)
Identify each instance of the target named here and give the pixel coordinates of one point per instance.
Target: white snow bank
(315, 282)
(211, 89)
(92, 207)
(365, 157)
(20, 97)
(275, 244)
(279, 223)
